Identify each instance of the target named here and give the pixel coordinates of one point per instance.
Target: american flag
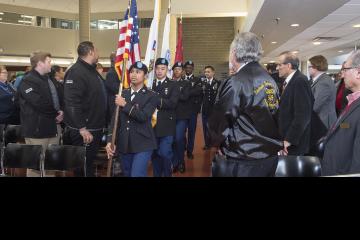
(129, 42)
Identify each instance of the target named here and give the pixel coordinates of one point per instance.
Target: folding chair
(10, 134)
(65, 158)
(22, 156)
(298, 166)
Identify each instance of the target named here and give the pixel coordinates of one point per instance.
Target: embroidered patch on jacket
(28, 90)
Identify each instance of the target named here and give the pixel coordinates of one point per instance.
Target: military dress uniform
(168, 95)
(196, 96)
(210, 91)
(183, 114)
(136, 138)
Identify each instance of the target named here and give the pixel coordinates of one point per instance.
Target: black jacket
(243, 121)
(9, 106)
(135, 133)
(37, 110)
(168, 96)
(210, 92)
(196, 94)
(183, 109)
(85, 97)
(112, 84)
(296, 107)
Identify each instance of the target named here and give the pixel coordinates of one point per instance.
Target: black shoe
(190, 156)
(175, 169)
(182, 168)
(206, 148)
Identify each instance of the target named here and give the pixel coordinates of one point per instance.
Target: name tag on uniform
(69, 82)
(28, 90)
(345, 126)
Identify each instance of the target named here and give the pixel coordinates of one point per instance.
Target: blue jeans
(179, 147)
(162, 159)
(191, 132)
(135, 164)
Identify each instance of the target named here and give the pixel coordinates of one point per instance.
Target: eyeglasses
(344, 69)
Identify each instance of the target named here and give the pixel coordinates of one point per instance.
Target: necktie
(133, 95)
(54, 95)
(159, 84)
(284, 85)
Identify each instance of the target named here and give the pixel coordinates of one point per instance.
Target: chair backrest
(2, 127)
(22, 156)
(12, 134)
(298, 166)
(64, 157)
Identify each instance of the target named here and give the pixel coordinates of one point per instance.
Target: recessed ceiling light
(295, 25)
(273, 42)
(317, 43)
(357, 26)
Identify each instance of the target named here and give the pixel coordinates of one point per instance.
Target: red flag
(179, 57)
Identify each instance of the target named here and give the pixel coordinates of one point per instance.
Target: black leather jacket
(243, 122)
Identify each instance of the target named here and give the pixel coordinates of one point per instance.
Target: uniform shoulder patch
(27, 91)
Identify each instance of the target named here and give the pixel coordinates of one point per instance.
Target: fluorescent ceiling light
(341, 51)
(295, 52)
(317, 43)
(1, 13)
(273, 42)
(26, 16)
(295, 25)
(334, 67)
(357, 26)
(22, 21)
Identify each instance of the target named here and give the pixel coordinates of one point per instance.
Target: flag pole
(117, 111)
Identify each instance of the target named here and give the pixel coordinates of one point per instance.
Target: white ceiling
(338, 23)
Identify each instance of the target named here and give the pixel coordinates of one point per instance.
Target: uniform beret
(162, 61)
(139, 65)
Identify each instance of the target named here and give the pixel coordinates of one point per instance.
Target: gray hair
(292, 59)
(247, 47)
(355, 59)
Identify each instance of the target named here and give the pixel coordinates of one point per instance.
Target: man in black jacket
(296, 107)
(168, 94)
(85, 103)
(243, 122)
(112, 84)
(39, 105)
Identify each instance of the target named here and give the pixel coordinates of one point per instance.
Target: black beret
(139, 65)
(189, 63)
(178, 64)
(161, 61)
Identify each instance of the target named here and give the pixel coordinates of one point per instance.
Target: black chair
(298, 166)
(12, 134)
(65, 158)
(2, 127)
(22, 156)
